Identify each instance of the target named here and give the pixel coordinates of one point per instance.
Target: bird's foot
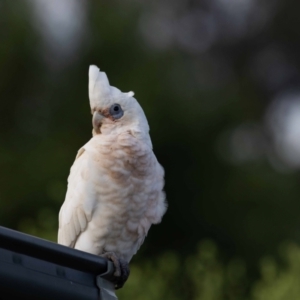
(121, 269)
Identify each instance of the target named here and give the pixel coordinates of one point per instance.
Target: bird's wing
(77, 208)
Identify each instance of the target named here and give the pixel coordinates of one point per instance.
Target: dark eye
(116, 111)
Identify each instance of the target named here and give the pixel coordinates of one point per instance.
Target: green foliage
(203, 276)
(199, 277)
(277, 282)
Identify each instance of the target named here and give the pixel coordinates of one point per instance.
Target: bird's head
(112, 110)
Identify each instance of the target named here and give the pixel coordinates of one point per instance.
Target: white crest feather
(99, 87)
(101, 93)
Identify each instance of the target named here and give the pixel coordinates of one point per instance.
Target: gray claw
(122, 270)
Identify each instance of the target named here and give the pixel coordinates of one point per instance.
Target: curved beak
(97, 121)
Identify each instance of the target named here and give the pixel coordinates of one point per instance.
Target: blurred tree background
(219, 81)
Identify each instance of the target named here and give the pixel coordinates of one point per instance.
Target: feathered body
(115, 186)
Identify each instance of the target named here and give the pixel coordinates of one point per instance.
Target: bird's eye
(116, 111)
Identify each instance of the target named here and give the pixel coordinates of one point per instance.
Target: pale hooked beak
(97, 121)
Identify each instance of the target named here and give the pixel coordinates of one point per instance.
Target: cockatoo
(115, 187)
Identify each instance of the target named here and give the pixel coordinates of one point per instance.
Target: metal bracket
(106, 287)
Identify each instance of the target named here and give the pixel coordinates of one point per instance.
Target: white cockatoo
(115, 187)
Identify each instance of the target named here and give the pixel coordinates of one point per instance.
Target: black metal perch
(33, 268)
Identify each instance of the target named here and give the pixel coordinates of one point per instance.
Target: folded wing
(76, 211)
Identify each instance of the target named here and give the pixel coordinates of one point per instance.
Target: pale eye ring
(116, 111)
